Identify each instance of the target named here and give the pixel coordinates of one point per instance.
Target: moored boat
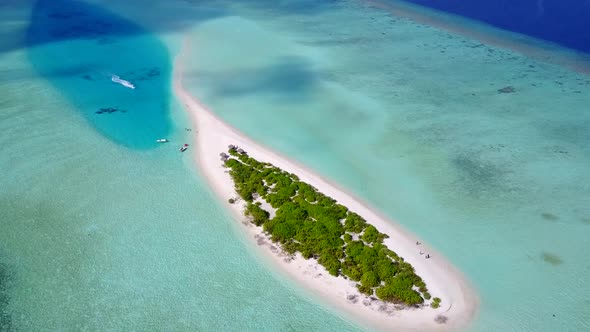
(123, 82)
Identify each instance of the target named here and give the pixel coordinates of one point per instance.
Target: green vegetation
(435, 303)
(315, 225)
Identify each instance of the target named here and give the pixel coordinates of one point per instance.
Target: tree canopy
(315, 225)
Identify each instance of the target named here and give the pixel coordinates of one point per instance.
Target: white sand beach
(459, 301)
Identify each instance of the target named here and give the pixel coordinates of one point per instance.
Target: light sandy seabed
(459, 301)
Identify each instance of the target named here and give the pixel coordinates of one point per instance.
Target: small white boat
(183, 148)
(162, 140)
(123, 82)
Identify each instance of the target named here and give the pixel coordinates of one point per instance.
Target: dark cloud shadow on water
(289, 78)
(17, 74)
(92, 20)
(166, 16)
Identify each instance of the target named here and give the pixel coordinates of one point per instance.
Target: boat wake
(123, 82)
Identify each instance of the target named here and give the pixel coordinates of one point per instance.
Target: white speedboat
(162, 140)
(183, 148)
(123, 82)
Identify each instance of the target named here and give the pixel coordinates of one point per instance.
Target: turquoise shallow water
(410, 118)
(102, 229)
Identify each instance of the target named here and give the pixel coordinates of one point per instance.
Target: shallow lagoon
(102, 231)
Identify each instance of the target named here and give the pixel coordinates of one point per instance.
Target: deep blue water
(77, 47)
(565, 22)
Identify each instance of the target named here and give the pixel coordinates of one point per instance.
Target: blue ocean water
(79, 46)
(564, 22)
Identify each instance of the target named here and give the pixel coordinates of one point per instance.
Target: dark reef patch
(549, 216)
(477, 175)
(5, 281)
(551, 258)
(109, 110)
(508, 89)
(573, 132)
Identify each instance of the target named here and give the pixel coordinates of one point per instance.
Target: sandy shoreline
(459, 302)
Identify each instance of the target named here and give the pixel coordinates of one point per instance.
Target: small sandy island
(459, 302)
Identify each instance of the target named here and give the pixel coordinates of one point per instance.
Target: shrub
(370, 279)
(371, 235)
(330, 262)
(231, 201)
(354, 223)
(353, 272)
(259, 216)
(435, 302)
(291, 247)
(365, 289)
(347, 237)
